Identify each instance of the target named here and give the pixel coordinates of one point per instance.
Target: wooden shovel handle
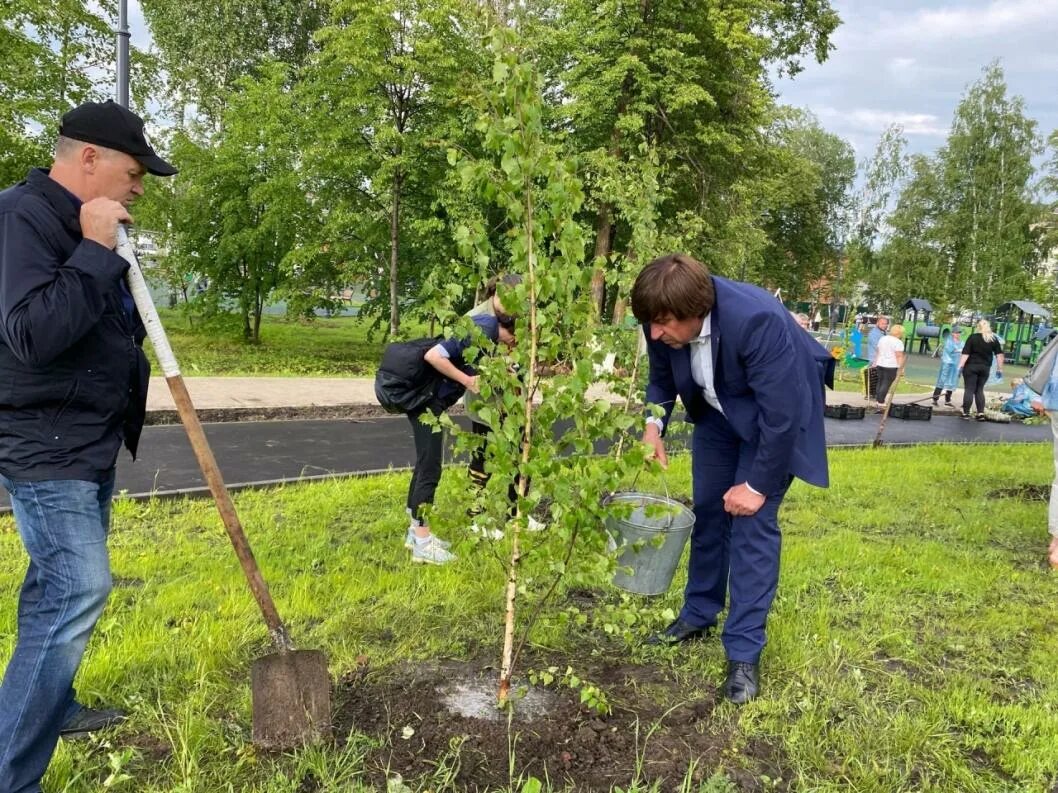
(206, 461)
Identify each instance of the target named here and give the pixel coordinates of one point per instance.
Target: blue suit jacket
(769, 376)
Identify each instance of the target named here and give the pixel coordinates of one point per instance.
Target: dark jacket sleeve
(456, 346)
(47, 305)
(767, 351)
(661, 387)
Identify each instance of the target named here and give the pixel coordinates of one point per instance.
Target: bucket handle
(665, 484)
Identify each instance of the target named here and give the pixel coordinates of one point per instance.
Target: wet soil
(436, 722)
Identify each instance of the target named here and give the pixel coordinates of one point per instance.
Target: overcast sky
(910, 62)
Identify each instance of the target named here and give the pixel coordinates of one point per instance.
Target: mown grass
(324, 347)
(912, 644)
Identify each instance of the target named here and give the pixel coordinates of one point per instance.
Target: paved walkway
(267, 452)
(231, 393)
(356, 438)
(261, 394)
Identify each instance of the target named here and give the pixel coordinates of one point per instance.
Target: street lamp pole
(122, 32)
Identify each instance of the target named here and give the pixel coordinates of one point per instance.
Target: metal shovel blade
(291, 699)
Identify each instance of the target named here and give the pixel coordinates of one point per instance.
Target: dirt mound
(656, 731)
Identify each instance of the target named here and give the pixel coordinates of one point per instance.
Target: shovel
(291, 688)
(888, 404)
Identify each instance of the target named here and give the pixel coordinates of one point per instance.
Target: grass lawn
(335, 347)
(912, 645)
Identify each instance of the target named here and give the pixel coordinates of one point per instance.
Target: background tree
(205, 48)
(690, 82)
(53, 54)
(380, 97)
(913, 260)
(882, 178)
(805, 202)
(243, 211)
(964, 232)
(987, 173)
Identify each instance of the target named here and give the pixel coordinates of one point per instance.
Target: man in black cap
(73, 387)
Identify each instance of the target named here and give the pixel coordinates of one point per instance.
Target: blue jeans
(63, 524)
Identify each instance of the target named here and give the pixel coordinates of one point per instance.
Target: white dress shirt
(702, 363)
(701, 353)
(701, 350)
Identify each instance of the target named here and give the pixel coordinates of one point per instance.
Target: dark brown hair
(505, 321)
(512, 279)
(674, 286)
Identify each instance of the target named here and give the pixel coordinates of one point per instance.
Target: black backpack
(405, 382)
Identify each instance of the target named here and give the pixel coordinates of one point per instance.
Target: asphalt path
(258, 453)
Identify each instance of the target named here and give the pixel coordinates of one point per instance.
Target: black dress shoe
(88, 720)
(678, 632)
(743, 682)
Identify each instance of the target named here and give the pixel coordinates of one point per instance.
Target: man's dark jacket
(73, 376)
(769, 376)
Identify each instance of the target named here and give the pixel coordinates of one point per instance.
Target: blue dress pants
(740, 554)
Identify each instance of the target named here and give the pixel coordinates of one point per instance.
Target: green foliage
(804, 202)
(206, 48)
(388, 73)
(241, 216)
(524, 172)
(591, 696)
(53, 53)
(667, 138)
(675, 95)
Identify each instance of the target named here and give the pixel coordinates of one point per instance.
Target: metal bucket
(653, 562)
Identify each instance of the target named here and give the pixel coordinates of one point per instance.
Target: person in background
(457, 376)
(948, 376)
(856, 340)
(1047, 404)
(73, 379)
(490, 306)
(888, 358)
(876, 334)
(975, 363)
(752, 383)
(1021, 399)
(802, 319)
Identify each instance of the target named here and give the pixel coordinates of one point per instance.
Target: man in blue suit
(752, 383)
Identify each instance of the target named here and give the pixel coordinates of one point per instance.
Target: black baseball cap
(115, 127)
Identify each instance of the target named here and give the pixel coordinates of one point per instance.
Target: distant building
(147, 247)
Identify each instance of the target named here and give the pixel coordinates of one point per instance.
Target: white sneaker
(534, 525)
(493, 534)
(431, 552)
(409, 540)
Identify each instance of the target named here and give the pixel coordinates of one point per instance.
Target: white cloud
(913, 123)
(911, 61)
(874, 120)
(964, 21)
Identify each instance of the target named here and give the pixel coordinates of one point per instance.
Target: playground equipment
(911, 309)
(1014, 322)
